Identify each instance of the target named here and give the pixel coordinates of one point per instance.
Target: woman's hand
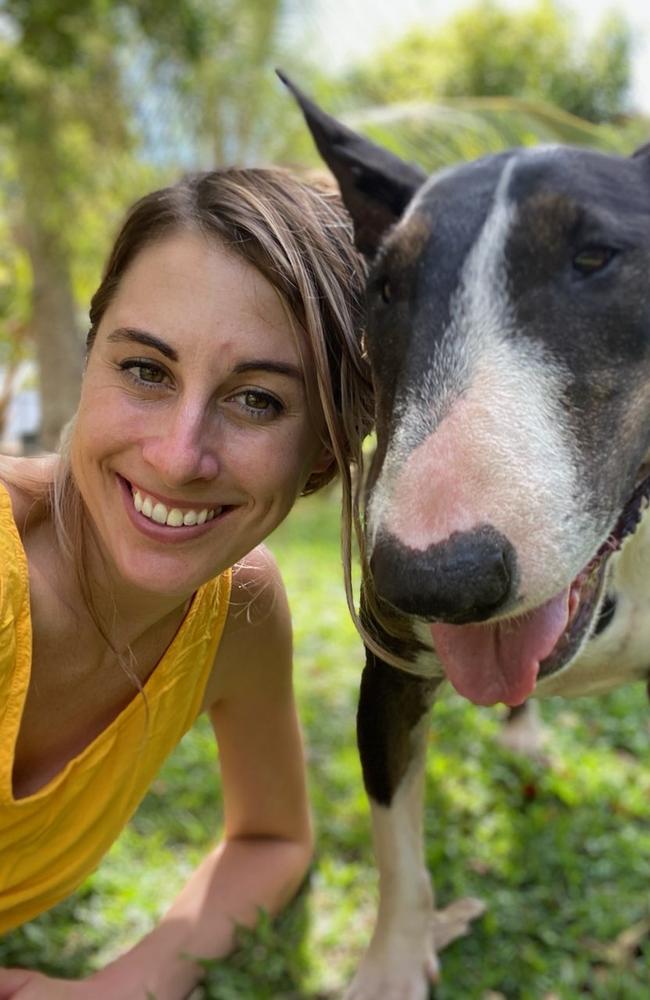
(23, 984)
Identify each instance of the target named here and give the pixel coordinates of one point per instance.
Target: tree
(230, 96)
(73, 121)
(488, 51)
(489, 80)
(56, 124)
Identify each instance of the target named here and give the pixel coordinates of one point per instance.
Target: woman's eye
(144, 372)
(592, 259)
(260, 405)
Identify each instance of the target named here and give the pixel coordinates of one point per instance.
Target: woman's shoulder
(256, 573)
(257, 632)
(25, 480)
(257, 594)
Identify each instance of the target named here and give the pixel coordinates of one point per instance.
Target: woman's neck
(125, 611)
(91, 591)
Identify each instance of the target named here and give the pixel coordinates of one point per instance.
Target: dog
(508, 331)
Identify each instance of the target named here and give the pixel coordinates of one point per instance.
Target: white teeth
(174, 517)
(159, 514)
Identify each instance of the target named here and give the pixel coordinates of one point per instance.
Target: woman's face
(193, 437)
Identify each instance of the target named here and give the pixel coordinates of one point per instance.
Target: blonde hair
(295, 231)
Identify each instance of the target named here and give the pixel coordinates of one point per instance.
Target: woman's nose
(183, 448)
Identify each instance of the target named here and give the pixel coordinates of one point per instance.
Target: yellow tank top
(51, 840)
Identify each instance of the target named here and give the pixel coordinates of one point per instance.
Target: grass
(560, 850)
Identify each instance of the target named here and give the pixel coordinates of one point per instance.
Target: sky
(350, 29)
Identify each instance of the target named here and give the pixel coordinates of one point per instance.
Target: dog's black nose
(467, 578)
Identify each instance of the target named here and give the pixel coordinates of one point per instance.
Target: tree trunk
(59, 349)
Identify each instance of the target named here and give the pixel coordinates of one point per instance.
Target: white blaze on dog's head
(499, 450)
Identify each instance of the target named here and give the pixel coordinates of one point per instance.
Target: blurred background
(101, 101)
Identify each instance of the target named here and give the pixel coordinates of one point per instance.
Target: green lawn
(559, 851)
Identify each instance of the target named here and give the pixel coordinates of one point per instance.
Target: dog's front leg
(392, 727)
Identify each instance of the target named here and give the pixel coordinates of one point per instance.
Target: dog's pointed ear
(376, 186)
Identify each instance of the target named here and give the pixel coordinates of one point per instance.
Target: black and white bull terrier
(508, 329)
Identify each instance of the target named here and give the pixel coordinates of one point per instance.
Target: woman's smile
(149, 512)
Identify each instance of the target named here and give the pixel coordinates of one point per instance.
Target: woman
(223, 379)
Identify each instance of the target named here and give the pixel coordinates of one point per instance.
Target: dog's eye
(592, 259)
(385, 290)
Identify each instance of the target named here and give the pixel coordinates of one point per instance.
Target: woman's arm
(267, 841)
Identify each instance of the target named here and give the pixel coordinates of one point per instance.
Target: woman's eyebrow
(134, 336)
(267, 365)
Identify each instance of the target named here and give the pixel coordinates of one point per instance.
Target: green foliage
(67, 121)
(65, 105)
(489, 51)
(449, 131)
(270, 962)
(54, 33)
(49, 31)
(558, 849)
(15, 293)
(487, 80)
(229, 100)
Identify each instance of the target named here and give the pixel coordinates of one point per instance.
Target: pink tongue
(499, 661)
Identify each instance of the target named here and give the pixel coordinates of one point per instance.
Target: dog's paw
(407, 977)
(454, 921)
(401, 967)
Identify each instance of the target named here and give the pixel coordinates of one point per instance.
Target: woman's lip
(169, 501)
(162, 532)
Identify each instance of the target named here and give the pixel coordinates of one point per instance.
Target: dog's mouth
(502, 661)
(585, 592)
